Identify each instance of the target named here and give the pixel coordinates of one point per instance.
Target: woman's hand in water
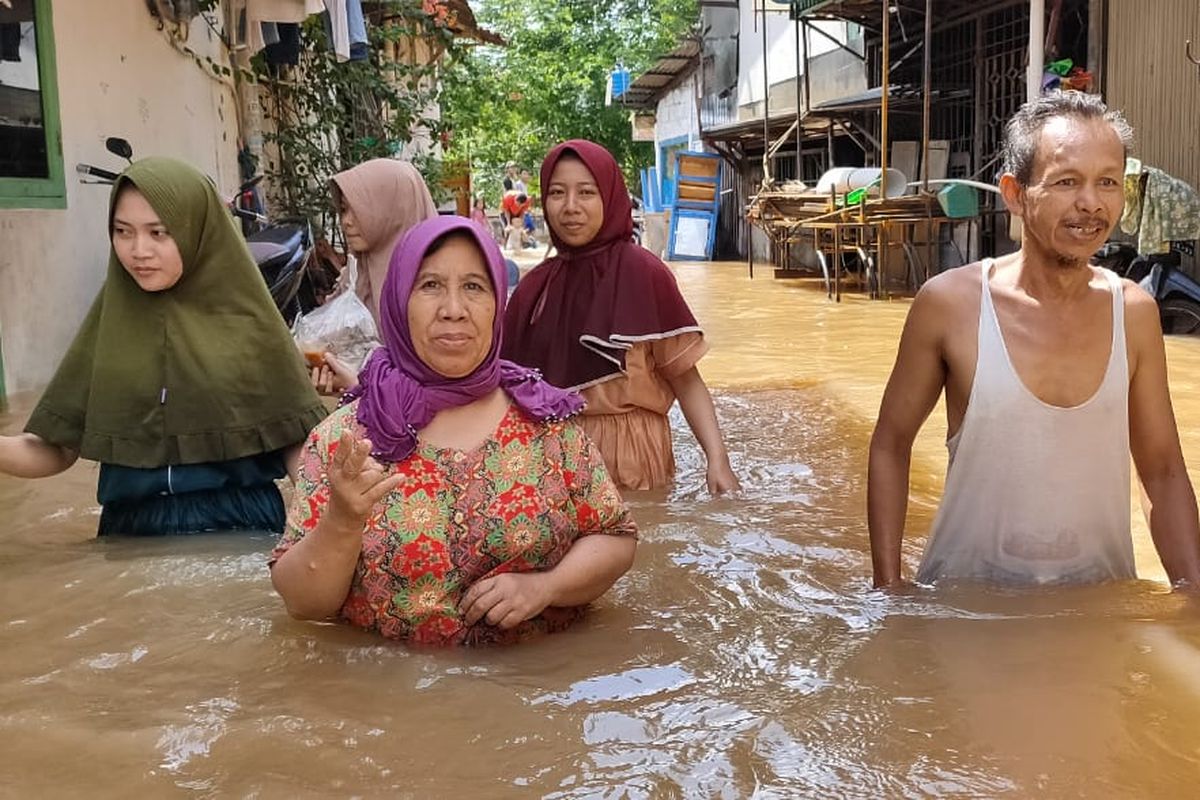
(334, 377)
(506, 600)
(697, 405)
(357, 482)
(721, 478)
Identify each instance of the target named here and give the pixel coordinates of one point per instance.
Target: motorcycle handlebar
(106, 176)
(96, 172)
(244, 214)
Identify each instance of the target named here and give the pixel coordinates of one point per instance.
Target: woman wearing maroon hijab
(605, 317)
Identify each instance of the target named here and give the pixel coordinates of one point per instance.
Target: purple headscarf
(398, 393)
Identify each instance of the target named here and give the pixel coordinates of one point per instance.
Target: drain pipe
(1037, 46)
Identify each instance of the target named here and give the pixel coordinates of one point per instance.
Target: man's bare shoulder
(1141, 312)
(953, 291)
(1137, 299)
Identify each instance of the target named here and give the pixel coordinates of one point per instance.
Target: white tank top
(1036, 493)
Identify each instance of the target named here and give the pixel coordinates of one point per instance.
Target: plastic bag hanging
(343, 326)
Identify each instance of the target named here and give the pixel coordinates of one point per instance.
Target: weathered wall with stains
(118, 75)
(1148, 77)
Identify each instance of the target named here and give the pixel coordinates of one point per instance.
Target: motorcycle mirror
(119, 147)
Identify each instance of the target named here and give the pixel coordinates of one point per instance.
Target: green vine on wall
(323, 116)
(328, 115)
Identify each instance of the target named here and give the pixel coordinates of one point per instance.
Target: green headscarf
(203, 371)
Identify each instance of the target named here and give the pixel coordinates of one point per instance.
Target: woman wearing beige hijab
(378, 201)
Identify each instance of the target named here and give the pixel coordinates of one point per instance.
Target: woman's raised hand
(357, 482)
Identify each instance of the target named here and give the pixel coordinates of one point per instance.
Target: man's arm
(1154, 442)
(912, 391)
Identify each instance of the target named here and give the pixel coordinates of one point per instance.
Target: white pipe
(987, 187)
(1037, 46)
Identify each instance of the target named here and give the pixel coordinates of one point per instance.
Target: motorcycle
(1177, 294)
(283, 250)
(639, 218)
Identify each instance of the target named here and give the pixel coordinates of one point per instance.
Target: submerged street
(743, 655)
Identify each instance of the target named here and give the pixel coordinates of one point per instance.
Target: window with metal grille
(784, 167)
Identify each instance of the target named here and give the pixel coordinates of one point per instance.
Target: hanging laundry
(260, 11)
(270, 33)
(287, 49)
(10, 41)
(358, 30)
(1160, 208)
(337, 28)
(346, 27)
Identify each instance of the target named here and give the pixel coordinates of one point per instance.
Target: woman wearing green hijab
(183, 381)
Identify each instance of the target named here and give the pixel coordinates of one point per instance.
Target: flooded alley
(743, 656)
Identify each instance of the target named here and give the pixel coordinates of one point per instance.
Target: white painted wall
(781, 48)
(117, 76)
(677, 116)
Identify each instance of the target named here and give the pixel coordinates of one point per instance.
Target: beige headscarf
(388, 197)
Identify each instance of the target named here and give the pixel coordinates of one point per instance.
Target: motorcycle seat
(265, 252)
(288, 236)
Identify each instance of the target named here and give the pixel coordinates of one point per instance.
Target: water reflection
(743, 655)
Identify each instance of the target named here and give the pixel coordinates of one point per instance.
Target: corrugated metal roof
(869, 13)
(666, 73)
(1149, 78)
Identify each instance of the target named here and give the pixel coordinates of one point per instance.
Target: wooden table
(795, 217)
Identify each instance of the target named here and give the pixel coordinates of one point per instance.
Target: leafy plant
(328, 116)
(548, 85)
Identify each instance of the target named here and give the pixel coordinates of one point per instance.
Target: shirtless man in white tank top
(1054, 373)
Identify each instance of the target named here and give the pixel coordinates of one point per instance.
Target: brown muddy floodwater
(743, 656)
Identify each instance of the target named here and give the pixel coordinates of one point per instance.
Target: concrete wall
(117, 76)
(676, 113)
(781, 61)
(835, 74)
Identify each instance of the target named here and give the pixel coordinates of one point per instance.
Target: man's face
(1074, 197)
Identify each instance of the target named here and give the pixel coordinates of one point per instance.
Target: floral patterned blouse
(516, 503)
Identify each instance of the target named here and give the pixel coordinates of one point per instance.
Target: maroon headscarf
(575, 315)
(399, 394)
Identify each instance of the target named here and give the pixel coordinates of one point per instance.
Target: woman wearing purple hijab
(453, 499)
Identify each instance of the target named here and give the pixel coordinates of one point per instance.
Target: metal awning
(822, 115)
(665, 75)
(869, 13)
(750, 132)
(898, 97)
